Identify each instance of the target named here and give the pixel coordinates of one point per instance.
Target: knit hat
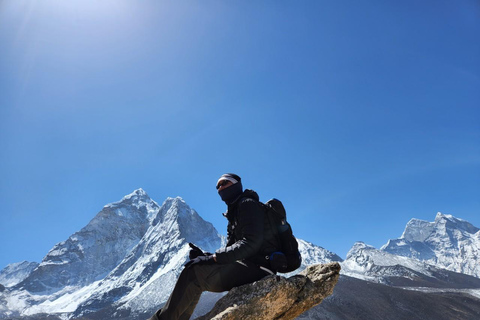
(233, 178)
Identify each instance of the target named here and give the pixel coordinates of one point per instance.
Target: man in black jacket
(250, 240)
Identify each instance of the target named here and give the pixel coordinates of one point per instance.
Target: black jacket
(249, 234)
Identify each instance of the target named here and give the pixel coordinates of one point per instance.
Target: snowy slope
(83, 259)
(367, 263)
(15, 273)
(448, 242)
(127, 259)
(146, 276)
(313, 254)
(93, 252)
(134, 250)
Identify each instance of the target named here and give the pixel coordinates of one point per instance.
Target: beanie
(233, 178)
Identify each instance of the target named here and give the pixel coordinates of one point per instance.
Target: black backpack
(289, 258)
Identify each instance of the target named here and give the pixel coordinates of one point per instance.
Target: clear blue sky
(359, 115)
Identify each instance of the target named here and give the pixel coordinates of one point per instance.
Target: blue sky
(358, 115)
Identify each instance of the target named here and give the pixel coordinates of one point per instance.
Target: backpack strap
(250, 264)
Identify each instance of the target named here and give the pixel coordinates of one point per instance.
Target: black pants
(204, 277)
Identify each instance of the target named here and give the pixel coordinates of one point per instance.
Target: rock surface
(276, 297)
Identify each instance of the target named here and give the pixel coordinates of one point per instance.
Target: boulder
(277, 297)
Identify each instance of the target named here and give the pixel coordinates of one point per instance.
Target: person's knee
(191, 273)
(209, 277)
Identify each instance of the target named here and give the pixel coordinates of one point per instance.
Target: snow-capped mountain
(124, 263)
(313, 254)
(368, 263)
(15, 273)
(127, 258)
(430, 251)
(145, 278)
(93, 252)
(448, 243)
(410, 277)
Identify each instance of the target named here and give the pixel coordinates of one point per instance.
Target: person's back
(244, 217)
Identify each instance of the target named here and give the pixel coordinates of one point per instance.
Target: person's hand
(195, 251)
(201, 259)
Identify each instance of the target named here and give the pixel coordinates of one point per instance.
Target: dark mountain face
(355, 299)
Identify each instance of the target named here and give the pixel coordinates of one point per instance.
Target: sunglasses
(222, 183)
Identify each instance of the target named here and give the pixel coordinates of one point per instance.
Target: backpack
(289, 258)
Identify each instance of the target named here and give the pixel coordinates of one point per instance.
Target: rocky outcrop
(276, 297)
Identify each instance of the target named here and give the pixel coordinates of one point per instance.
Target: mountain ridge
(106, 239)
(144, 246)
(447, 242)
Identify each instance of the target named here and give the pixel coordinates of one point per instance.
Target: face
(223, 184)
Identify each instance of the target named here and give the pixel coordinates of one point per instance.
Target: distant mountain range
(124, 264)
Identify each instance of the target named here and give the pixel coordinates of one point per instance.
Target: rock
(276, 297)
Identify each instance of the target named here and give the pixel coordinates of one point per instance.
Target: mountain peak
(138, 200)
(16, 272)
(136, 194)
(448, 242)
(140, 191)
(440, 217)
(176, 214)
(359, 245)
(176, 200)
(452, 222)
(418, 230)
(174, 206)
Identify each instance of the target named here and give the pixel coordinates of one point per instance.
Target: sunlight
(57, 37)
(89, 8)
